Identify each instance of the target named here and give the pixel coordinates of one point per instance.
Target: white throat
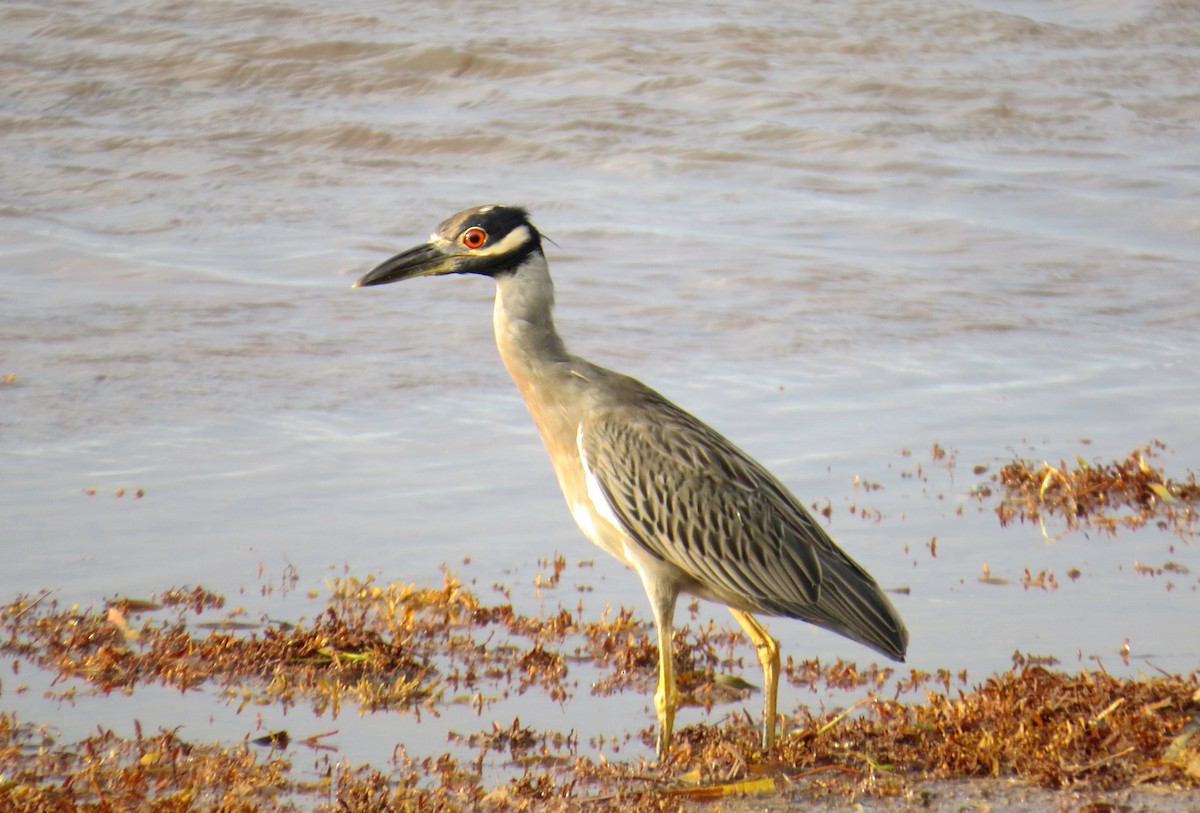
(523, 317)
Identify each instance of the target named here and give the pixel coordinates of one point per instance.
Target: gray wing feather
(688, 496)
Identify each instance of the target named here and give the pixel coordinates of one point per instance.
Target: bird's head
(489, 240)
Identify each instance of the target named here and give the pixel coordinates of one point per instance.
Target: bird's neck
(523, 319)
(553, 383)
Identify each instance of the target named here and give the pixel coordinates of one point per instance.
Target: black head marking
(491, 239)
(488, 240)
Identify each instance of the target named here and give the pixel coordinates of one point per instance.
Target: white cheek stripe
(515, 238)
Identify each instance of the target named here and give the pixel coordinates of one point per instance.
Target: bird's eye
(473, 237)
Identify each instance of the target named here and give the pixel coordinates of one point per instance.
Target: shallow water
(835, 232)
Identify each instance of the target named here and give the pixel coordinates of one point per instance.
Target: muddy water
(839, 232)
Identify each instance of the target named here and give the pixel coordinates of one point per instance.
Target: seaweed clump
(398, 648)
(1089, 732)
(1127, 493)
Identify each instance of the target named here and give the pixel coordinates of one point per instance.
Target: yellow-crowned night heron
(649, 483)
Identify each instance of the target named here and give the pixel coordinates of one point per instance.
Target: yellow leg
(768, 655)
(666, 699)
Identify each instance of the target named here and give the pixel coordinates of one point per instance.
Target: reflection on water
(835, 232)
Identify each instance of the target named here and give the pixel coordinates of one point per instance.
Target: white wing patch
(616, 541)
(594, 490)
(583, 518)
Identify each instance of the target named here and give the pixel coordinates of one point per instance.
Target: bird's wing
(689, 496)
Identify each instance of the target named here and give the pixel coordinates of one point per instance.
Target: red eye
(473, 237)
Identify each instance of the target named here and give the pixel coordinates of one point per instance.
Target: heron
(649, 483)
